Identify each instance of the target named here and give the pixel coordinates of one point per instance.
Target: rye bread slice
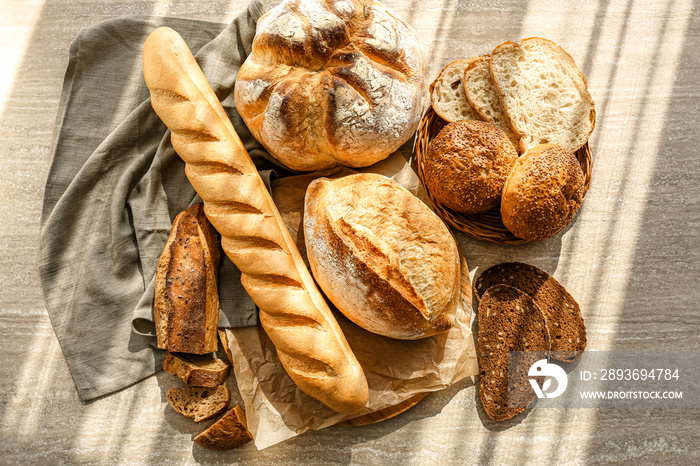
(509, 320)
(195, 370)
(561, 310)
(229, 432)
(199, 403)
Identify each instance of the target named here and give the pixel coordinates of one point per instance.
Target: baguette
(186, 304)
(309, 342)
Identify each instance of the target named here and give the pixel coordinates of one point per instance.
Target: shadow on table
(644, 293)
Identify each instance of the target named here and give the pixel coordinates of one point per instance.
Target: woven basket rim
(487, 226)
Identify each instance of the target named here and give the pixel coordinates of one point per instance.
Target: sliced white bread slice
(483, 97)
(543, 94)
(447, 93)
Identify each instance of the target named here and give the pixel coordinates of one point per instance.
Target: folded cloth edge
(94, 374)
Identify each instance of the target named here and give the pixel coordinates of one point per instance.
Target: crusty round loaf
(542, 193)
(467, 165)
(332, 83)
(382, 256)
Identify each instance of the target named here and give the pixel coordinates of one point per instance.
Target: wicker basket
(487, 226)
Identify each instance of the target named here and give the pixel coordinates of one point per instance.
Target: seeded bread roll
(467, 165)
(509, 320)
(332, 83)
(382, 256)
(447, 93)
(199, 403)
(563, 314)
(543, 192)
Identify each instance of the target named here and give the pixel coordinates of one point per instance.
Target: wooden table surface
(630, 258)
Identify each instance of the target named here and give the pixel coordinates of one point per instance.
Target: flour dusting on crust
(285, 25)
(368, 96)
(319, 16)
(385, 110)
(344, 8)
(252, 90)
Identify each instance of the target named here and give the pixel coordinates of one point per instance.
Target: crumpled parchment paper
(396, 370)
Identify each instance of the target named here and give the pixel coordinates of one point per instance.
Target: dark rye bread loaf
(229, 432)
(198, 371)
(563, 313)
(509, 320)
(199, 403)
(186, 302)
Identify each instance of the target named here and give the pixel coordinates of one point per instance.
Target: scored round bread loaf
(543, 192)
(509, 320)
(332, 83)
(382, 256)
(563, 314)
(467, 165)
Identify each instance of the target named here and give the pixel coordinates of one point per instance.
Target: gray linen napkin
(114, 187)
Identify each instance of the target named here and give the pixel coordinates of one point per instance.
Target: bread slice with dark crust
(198, 371)
(199, 403)
(509, 320)
(563, 313)
(229, 432)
